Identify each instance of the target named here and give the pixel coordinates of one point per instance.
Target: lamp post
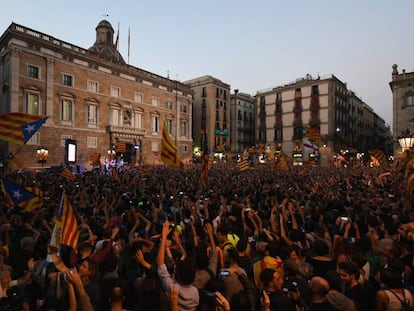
(111, 153)
(42, 154)
(406, 140)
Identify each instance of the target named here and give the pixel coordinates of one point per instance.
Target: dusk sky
(250, 45)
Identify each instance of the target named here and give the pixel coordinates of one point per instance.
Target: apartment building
(211, 114)
(242, 121)
(344, 121)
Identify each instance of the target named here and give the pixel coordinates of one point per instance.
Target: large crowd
(261, 239)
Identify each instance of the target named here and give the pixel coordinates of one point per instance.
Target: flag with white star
(18, 128)
(14, 194)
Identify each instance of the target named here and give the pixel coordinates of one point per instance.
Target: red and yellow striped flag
(35, 202)
(243, 165)
(378, 157)
(95, 158)
(66, 221)
(281, 162)
(67, 174)
(18, 128)
(169, 150)
(312, 133)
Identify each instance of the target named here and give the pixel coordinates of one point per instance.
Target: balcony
(125, 130)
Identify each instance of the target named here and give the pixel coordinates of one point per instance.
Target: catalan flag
(243, 165)
(312, 133)
(281, 162)
(18, 128)
(15, 195)
(377, 157)
(204, 163)
(67, 174)
(35, 202)
(95, 158)
(169, 150)
(67, 223)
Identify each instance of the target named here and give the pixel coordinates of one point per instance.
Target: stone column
(14, 80)
(50, 69)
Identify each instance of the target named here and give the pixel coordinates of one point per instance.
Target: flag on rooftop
(18, 128)
(67, 223)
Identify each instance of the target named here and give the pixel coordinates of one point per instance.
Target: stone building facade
(211, 113)
(402, 87)
(345, 122)
(242, 121)
(91, 96)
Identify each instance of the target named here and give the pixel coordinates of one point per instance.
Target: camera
(224, 273)
(290, 286)
(64, 276)
(344, 219)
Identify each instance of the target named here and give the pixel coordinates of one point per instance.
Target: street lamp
(406, 140)
(111, 153)
(42, 154)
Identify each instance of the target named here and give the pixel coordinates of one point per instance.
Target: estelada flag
(312, 133)
(14, 194)
(18, 128)
(67, 174)
(66, 221)
(35, 202)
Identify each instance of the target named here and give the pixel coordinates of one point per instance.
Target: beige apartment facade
(242, 121)
(345, 122)
(211, 114)
(92, 97)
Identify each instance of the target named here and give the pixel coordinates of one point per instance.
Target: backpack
(405, 303)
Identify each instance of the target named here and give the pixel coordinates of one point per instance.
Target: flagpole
(129, 42)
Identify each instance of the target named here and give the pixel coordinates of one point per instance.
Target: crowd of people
(261, 239)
